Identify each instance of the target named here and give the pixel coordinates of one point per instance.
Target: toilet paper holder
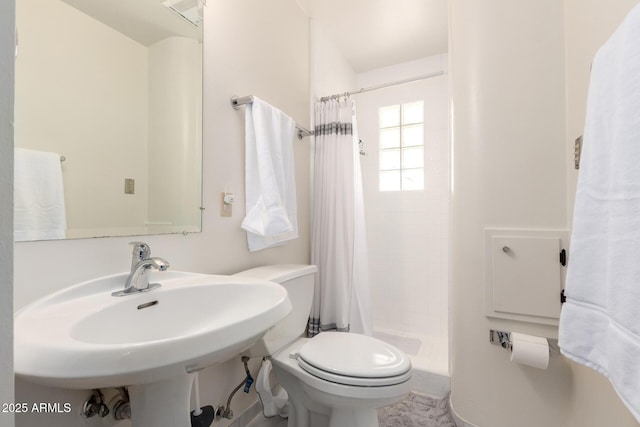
(503, 339)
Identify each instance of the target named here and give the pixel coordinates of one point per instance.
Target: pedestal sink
(84, 338)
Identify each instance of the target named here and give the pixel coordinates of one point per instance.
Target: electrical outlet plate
(129, 186)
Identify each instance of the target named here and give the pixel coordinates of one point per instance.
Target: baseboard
(430, 384)
(460, 422)
(248, 415)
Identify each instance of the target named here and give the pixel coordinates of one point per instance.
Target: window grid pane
(389, 116)
(412, 179)
(390, 138)
(412, 158)
(413, 112)
(412, 135)
(390, 159)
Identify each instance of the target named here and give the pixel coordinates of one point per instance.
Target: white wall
(7, 51)
(250, 47)
(408, 232)
(101, 128)
(510, 169)
(330, 71)
(507, 69)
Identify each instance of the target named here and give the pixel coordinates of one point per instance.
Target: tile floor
(415, 411)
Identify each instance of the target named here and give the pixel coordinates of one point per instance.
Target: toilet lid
(354, 359)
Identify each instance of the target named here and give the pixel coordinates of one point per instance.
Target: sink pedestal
(162, 404)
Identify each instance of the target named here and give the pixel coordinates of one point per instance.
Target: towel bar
(236, 102)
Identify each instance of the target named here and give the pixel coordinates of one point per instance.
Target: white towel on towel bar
(39, 209)
(600, 322)
(271, 217)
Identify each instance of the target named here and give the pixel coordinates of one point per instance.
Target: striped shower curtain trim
(314, 327)
(334, 127)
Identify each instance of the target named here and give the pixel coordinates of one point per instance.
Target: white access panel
(524, 276)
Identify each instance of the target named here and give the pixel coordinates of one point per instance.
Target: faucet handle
(140, 252)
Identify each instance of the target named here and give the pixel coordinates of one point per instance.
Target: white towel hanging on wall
(271, 209)
(600, 321)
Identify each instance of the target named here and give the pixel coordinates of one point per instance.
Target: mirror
(112, 91)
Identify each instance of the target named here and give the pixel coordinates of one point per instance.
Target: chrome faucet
(141, 263)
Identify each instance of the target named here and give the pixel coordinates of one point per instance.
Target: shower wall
(408, 231)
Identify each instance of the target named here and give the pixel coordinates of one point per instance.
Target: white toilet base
(344, 405)
(299, 415)
(353, 417)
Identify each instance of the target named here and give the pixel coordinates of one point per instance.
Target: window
(401, 144)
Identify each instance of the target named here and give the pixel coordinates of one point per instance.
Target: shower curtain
(338, 241)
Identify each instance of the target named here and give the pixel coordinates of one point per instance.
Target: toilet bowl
(344, 376)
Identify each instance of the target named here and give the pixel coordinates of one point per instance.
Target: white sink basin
(83, 337)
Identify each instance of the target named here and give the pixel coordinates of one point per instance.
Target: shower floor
(429, 358)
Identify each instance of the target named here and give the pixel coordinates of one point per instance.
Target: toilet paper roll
(529, 350)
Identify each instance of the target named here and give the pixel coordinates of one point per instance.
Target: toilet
(345, 376)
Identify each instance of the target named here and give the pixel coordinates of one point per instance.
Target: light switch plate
(226, 209)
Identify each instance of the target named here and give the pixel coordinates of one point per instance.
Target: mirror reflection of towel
(39, 209)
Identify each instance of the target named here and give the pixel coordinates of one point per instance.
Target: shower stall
(403, 125)
(405, 134)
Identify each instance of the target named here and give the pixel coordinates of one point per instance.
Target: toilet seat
(353, 381)
(354, 359)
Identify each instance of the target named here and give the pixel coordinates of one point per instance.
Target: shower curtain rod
(381, 86)
(236, 102)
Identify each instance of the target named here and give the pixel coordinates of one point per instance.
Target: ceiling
(377, 33)
(370, 33)
(146, 21)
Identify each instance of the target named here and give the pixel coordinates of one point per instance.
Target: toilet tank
(298, 280)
